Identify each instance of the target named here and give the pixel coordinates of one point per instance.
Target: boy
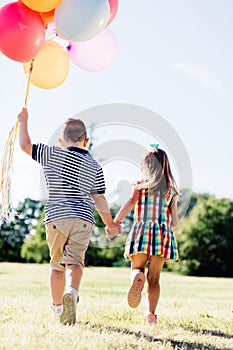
(75, 184)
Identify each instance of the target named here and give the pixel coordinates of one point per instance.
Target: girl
(151, 237)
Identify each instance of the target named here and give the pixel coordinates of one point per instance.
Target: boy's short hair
(74, 130)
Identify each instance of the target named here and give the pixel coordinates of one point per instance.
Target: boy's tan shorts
(68, 240)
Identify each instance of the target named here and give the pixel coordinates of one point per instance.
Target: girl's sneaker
(135, 292)
(151, 318)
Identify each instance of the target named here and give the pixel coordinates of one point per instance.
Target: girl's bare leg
(138, 279)
(153, 277)
(138, 263)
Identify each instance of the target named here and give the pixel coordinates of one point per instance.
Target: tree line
(205, 238)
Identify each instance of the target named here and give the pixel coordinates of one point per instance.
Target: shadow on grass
(140, 335)
(211, 332)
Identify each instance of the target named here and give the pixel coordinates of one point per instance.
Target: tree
(35, 248)
(188, 200)
(102, 252)
(13, 234)
(205, 239)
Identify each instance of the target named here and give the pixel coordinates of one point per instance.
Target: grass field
(193, 313)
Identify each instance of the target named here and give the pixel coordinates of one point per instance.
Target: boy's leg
(70, 298)
(74, 275)
(74, 251)
(56, 241)
(73, 258)
(57, 285)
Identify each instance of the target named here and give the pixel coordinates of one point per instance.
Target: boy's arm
(101, 205)
(174, 212)
(127, 207)
(24, 138)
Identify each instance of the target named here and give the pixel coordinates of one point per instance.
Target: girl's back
(152, 232)
(153, 207)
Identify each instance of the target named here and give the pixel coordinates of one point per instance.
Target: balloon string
(7, 162)
(28, 83)
(6, 173)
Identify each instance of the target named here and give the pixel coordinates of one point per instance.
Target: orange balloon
(50, 67)
(42, 5)
(47, 17)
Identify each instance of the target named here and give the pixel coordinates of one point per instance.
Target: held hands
(23, 115)
(113, 230)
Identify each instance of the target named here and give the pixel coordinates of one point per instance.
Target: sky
(174, 58)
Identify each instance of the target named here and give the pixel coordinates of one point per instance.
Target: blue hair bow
(154, 147)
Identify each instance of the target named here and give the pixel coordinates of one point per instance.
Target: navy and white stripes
(72, 177)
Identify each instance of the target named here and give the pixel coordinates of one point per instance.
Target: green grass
(193, 313)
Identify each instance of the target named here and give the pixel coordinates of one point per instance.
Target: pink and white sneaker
(151, 318)
(135, 291)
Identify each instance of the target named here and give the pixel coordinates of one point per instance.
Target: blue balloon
(81, 20)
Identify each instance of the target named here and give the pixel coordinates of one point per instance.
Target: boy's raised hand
(23, 115)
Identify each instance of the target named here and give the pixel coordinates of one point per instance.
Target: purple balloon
(96, 54)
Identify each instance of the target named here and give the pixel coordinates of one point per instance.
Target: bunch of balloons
(26, 27)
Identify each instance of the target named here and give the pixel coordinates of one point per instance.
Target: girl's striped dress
(152, 231)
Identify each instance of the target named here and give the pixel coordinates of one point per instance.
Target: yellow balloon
(50, 66)
(41, 5)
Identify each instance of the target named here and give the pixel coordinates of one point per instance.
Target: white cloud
(206, 78)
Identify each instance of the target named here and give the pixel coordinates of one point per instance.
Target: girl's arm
(174, 212)
(127, 207)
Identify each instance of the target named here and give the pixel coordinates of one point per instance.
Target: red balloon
(22, 32)
(113, 10)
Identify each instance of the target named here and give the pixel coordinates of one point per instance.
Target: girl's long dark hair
(157, 175)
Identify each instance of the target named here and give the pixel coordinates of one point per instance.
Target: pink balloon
(95, 54)
(22, 32)
(113, 10)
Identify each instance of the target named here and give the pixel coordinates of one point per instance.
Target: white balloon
(81, 20)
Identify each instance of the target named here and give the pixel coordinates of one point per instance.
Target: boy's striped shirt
(72, 177)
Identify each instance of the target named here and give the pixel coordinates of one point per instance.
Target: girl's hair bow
(153, 147)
